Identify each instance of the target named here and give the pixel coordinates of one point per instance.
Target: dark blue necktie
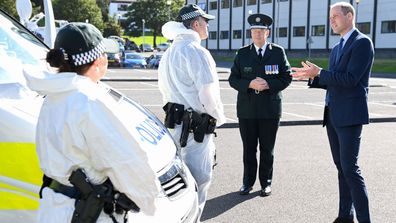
(339, 49)
(260, 56)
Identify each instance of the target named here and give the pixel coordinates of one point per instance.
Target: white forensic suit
(79, 126)
(187, 75)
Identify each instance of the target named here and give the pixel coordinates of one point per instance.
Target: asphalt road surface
(305, 178)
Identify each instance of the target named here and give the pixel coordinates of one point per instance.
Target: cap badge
(258, 19)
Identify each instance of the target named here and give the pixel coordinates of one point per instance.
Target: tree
(155, 14)
(104, 6)
(10, 7)
(78, 11)
(111, 28)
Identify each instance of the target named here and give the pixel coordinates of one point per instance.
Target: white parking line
(137, 89)
(149, 84)
(144, 71)
(300, 116)
(232, 120)
(377, 93)
(318, 104)
(382, 104)
(380, 115)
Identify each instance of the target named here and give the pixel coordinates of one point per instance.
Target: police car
(20, 175)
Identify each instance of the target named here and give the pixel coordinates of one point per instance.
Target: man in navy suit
(346, 109)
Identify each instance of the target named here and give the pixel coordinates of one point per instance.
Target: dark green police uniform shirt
(273, 67)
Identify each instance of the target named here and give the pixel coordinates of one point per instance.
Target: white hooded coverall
(187, 75)
(80, 126)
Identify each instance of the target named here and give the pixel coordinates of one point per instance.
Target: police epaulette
(274, 45)
(243, 47)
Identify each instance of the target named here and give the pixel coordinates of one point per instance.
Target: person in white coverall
(79, 127)
(187, 76)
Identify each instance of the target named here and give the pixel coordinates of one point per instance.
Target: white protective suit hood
(46, 83)
(172, 29)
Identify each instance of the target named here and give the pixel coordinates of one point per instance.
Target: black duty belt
(69, 191)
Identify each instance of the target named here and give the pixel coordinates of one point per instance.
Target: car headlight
(173, 180)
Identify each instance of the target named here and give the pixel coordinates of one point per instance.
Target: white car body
(20, 175)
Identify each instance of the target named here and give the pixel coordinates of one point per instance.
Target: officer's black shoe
(265, 191)
(343, 220)
(245, 190)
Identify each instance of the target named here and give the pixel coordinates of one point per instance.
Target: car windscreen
(133, 56)
(18, 48)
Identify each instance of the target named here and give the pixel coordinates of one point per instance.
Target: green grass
(147, 39)
(321, 62)
(380, 65)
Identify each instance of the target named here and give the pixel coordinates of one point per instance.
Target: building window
(251, 2)
(224, 35)
(282, 32)
(388, 27)
(283, 0)
(213, 5)
(213, 35)
(299, 31)
(266, 1)
(318, 30)
(364, 27)
(225, 4)
(237, 34)
(202, 6)
(122, 7)
(237, 3)
(248, 34)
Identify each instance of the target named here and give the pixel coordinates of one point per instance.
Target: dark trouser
(344, 144)
(254, 131)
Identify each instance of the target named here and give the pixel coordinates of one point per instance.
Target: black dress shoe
(265, 191)
(343, 220)
(245, 190)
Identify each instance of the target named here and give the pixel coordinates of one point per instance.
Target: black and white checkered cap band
(191, 15)
(89, 56)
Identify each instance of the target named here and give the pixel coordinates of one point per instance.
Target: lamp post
(119, 18)
(277, 22)
(143, 35)
(357, 9)
(169, 3)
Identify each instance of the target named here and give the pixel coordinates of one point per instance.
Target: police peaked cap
(81, 42)
(192, 11)
(259, 21)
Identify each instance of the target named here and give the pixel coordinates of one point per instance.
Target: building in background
(118, 8)
(298, 24)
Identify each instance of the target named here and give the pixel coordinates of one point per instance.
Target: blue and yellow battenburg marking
(271, 69)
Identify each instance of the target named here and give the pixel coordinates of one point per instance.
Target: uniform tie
(260, 56)
(339, 49)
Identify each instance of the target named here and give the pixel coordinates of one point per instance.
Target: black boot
(343, 220)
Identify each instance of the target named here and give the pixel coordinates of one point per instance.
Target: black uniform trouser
(254, 132)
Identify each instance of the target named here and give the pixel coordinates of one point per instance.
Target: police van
(20, 175)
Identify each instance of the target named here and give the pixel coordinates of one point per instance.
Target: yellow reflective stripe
(19, 161)
(13, 198)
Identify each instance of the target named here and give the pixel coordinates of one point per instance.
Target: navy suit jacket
(347, 81)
